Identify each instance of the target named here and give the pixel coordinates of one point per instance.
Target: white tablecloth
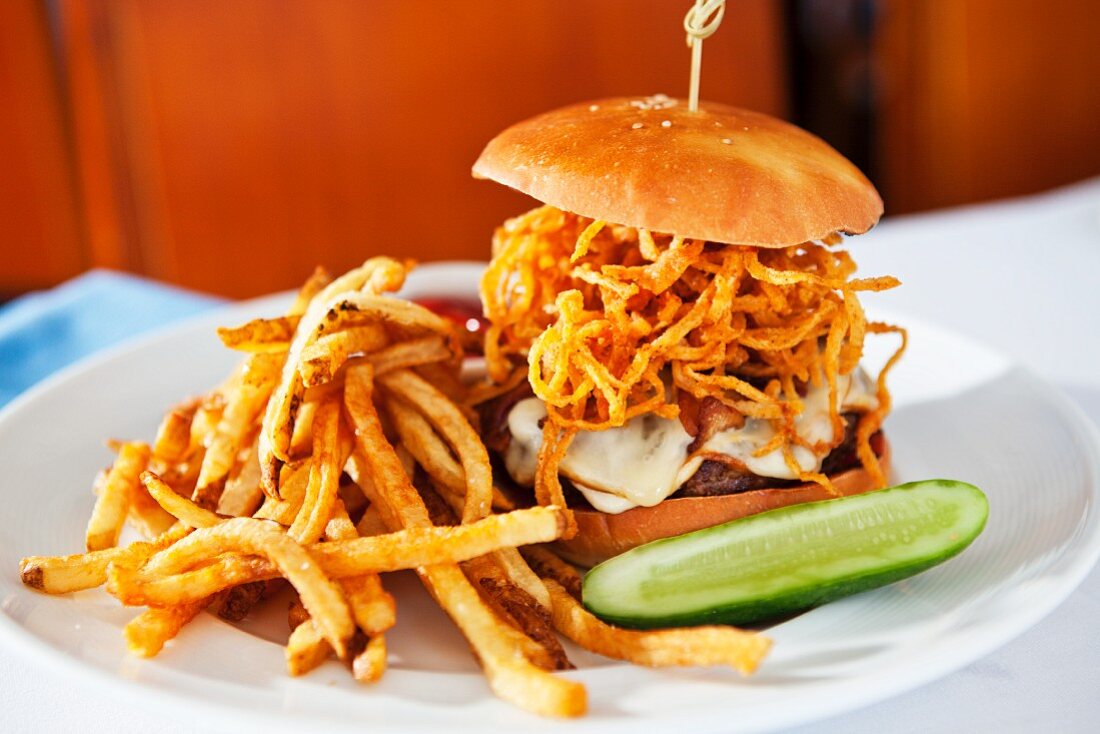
(1022, 276)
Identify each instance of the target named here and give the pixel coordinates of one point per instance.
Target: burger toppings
(639, 463)
(612, 323)
(650, 457)
(706, 417)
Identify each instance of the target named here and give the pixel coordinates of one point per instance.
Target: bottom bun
(601, 535)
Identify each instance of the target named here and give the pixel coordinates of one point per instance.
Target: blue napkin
(42, 332)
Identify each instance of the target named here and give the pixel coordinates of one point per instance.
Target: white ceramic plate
(961, 411)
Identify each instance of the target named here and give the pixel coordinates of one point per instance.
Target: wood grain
(230, 147)
(984, 99)
(40, 236)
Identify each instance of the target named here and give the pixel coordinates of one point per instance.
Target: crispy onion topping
(611, 322)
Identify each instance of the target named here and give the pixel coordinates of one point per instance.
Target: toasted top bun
(721, 174)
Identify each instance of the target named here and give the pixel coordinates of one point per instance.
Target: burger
(674, 337)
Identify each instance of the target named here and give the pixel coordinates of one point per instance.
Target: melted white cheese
(813, 425)
(646, 460)
(641, 461)
(521, 458)
(612, 504)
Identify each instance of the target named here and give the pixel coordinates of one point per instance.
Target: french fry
(317, 281)
(446, 379)
(505, 599)
(510, 676)
(146, 515)
(274, 335)
(425, 545)
(242, 407)
(376, 275)
(296, 613)
(135, 588)
(306, 649)
(509, 586)
(205, 420)
(713, 645)
(548, 565)
(147, 633)
(269, 448)
(526, 614)
(179, 507)
(420, 439)
(65, 574)
(376, 469)
(369, 665)
(242, 495)
(453, 426)
(520, 574)
(293, 486)
(260, 335)
(240, 600)
(258, 378)
(174, 434)
(301, 439)
(314, 286)
(165, 579)
(113, 501)
(403, 316)
(371, 523)
(324, 357)
(256, 537)
(412, 353)
(329, 454)
(508, 672)
(503, 567)
(339, 525)
(371, 606)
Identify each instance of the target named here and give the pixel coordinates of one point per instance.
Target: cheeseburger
(674, 337)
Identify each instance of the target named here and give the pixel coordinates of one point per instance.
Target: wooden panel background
(230, 146)
(40, 237)
(985, 99)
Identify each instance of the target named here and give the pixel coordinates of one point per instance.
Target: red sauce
(466, 312)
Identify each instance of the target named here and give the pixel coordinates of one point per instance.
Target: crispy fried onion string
(613, 322)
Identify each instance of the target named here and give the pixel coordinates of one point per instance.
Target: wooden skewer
(700, 23)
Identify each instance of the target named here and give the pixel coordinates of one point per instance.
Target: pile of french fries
(339, 450)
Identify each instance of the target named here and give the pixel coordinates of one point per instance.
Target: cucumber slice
(772, 564)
